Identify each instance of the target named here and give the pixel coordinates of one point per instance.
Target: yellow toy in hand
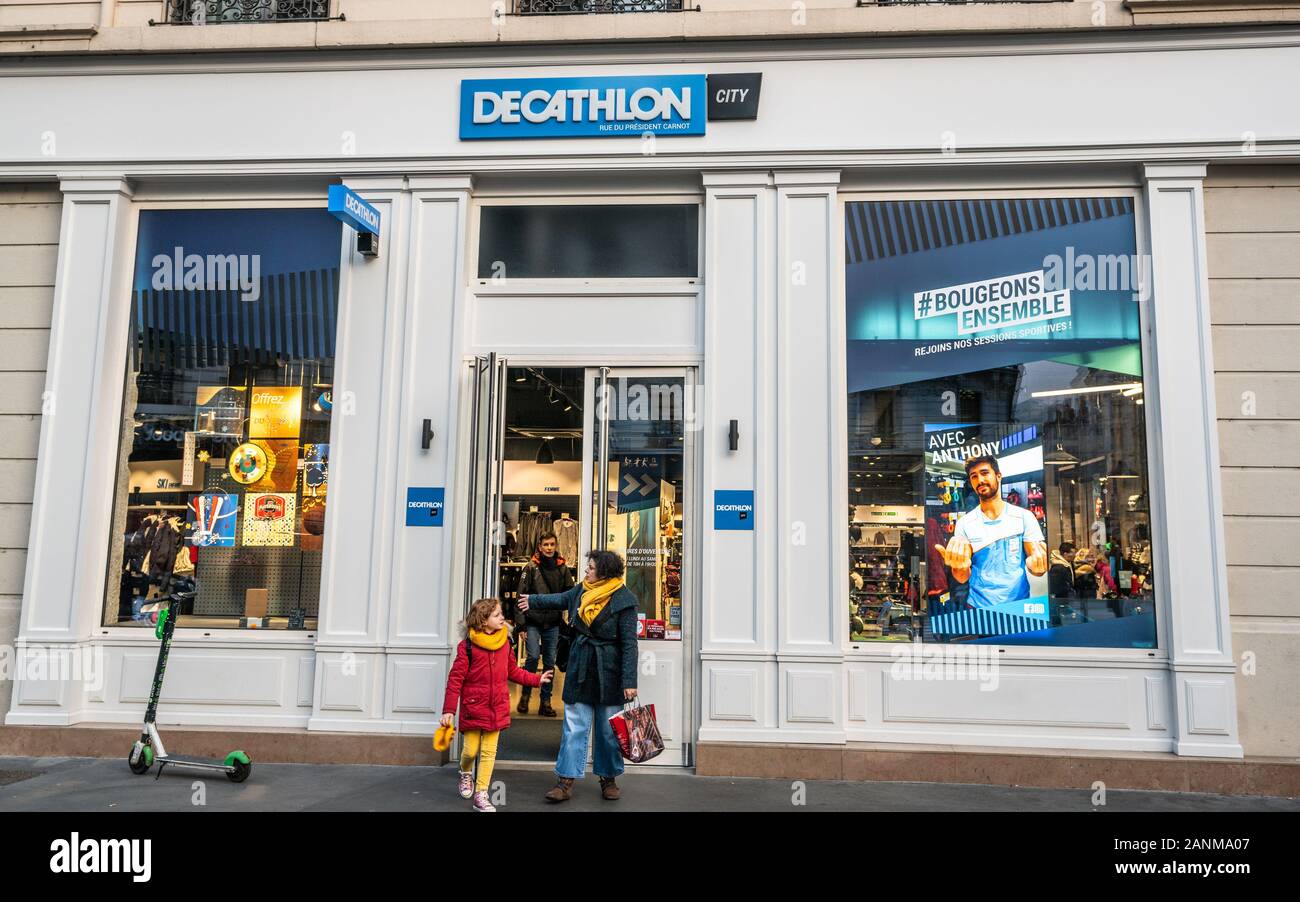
(442, 738)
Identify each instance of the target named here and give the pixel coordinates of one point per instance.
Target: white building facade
(755, 321)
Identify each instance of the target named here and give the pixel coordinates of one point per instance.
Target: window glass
(998, 488)
(610, 241)
(223, 465)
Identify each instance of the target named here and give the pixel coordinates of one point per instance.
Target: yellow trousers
(481, 744)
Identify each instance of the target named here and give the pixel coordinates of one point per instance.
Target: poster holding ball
(315, 469)
(984, 495)
(269, 519)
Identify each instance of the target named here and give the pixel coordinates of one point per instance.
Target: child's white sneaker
(481, 802)
(466, 784)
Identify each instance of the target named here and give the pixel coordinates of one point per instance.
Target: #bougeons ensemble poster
(1002, 595)
(269, 519)
(944, 287)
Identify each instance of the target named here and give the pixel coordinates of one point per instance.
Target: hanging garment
(532, 526)
(566, 534)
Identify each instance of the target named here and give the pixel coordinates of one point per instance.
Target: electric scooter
(149, 747)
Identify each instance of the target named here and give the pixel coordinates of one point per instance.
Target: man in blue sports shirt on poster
(994, 545)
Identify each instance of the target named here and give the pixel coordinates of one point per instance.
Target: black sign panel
(734, 95)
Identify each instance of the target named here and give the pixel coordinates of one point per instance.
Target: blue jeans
(607, 757)
(547, 638)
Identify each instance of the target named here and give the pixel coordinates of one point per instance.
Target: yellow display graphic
(248, 463)
(275, 412)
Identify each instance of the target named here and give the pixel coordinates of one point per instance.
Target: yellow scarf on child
(595, 596)
(489, 641)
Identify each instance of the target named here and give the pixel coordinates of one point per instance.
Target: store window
(625, 241)
(223, 463)
(998, 485)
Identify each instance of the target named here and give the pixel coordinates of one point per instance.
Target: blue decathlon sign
(348, 206)
(424, 506)
(733, 509)
(594, 107)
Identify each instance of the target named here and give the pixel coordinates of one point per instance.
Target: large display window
(998, 488)
(223, 465)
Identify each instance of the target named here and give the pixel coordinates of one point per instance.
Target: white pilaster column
(63, 590)
(739, 600)
(425, 559)
(812, 530)
(1189, 524)
(356, 566)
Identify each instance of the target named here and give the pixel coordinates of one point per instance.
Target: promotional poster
(938, 288)
(1001, 595)
(269, 519)
(1006, 329)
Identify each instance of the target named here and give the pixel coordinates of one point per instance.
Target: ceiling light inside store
(1130, 392)
(1086, 390)
(544, 453)
(1060, 457)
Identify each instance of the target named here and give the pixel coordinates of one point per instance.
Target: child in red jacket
(478, 681)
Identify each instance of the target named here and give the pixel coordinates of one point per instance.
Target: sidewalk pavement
(105, 784)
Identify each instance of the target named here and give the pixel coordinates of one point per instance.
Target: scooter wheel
(240, 772)
(142, 766)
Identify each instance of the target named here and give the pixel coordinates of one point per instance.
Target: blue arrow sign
(638, 482)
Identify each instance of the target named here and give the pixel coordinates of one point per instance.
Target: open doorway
(540, 436)
(539, 537)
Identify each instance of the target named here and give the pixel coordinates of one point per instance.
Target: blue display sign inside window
(425, 506)
(594, 106)
(733, 509)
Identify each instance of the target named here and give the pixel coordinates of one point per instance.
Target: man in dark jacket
(601, 673)
(546, 574)
(1060, 575)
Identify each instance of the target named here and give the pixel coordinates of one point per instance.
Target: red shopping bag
(637, 732)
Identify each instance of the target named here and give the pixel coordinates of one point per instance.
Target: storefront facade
(770, 270)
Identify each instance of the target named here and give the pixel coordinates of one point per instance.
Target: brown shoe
(522, 707)
(545, 710)
(562, 791)
(608, 789)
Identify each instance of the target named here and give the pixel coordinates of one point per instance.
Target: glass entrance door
(639, 477)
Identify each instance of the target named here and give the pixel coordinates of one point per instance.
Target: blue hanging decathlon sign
(347, 205)
(593, 107)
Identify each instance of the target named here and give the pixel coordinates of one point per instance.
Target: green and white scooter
(149, 749)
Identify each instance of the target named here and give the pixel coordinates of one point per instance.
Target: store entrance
(541, 436)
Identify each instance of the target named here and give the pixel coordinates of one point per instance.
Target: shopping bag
(637, 732)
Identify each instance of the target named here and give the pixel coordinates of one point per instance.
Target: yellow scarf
(489, 641)
(595, 596)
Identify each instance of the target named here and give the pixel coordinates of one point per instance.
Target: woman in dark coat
(601, 672)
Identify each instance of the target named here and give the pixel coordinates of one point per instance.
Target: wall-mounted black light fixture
(426, 436)
(733, 435)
